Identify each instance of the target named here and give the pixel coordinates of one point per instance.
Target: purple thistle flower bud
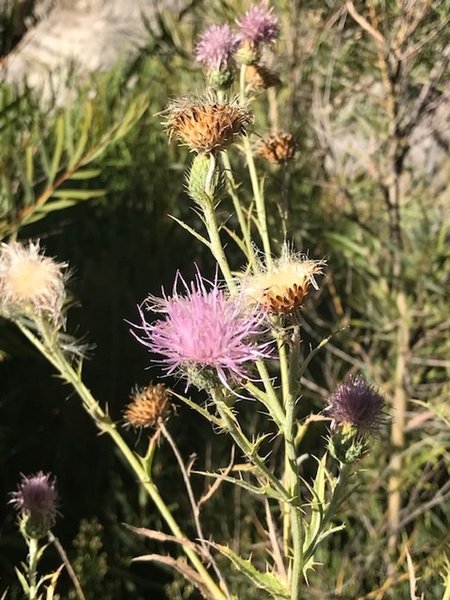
(36, 501)
(216, 47)
(258, 26)
(358, 404)
(205, 335)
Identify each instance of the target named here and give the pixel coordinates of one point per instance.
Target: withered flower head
(207, 125)
(148, 405)
(31, 283)
(260, 77)
(283, 287)
(278, 147)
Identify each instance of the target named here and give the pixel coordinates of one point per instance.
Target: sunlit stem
(50, 349)
(233, 428)
(256, 187)
(270, 402)
(292, 514)
(212, 228)
(243, 224)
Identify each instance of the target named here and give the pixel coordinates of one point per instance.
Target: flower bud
(346, 444)
(36, 501)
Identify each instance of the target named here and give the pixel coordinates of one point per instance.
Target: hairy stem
(212, 228)
(33, 552)
(289, 369)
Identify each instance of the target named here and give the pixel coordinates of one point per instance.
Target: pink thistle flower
(36, 500)
(258, 26)
(216, 46)
(206, 335)
(357, 404)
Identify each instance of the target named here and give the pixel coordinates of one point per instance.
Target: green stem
(33, 551)
(55, 356)
(259, 197)
(212, 228)
(339, 495)
(233, 428)
(288, 370)
(232, 187)
(272, 404)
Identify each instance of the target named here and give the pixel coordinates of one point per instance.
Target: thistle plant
(237, 339)
(36, 502)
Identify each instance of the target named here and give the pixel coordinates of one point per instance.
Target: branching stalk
(55, 356)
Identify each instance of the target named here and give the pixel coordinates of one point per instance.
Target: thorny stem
(55, 356)
(270, 402)
(213, 229)
(231, 425)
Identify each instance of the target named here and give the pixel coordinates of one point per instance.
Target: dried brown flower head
(148, 405)
(260, 77)
(283, 287)
(278, 147)
(31, 283)
(207, 125)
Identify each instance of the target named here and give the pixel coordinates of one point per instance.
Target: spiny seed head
(358, 404)
(207, 125)
(216, 47)
(278, 147)
(36, 502)
(260, 77)
(148, 405)
(31, 283)
(258, 26)
(283, 287)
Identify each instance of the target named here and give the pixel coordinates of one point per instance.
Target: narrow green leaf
(191, 231)
(84, 136)
(266, 581)
(85, 174)
(78, 194)
(49, 207)
(265, 491)
(59, 146)
(23, 582)
(29, 163)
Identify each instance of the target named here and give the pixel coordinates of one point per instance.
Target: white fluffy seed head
(30, 283)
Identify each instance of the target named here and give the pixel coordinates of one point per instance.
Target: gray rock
(82, 36)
